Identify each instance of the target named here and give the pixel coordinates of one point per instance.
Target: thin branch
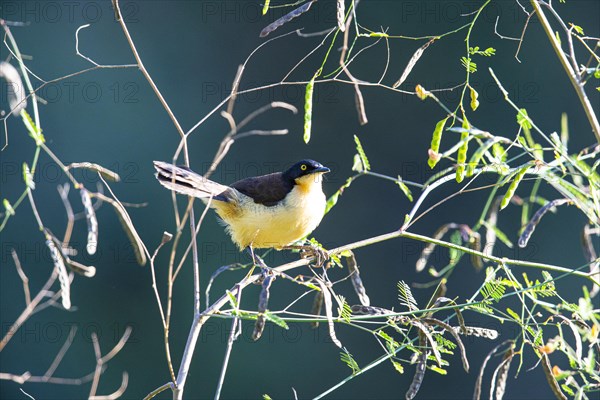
(23, 276)
(63, 350)
(585, 102)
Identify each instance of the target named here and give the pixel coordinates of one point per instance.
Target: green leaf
(405, 296)
(9, 209)
(345, 312)
(513, 314)
(232, 300)
(404, 188)
(499, 152)
(332, 201)
(361, 154)
(390, 343)
(436, 139)
(347, 359)
(308, 105)
(493, 289)
(437, 369)
(28, 177)
(266, 397)
(523, 119)
(499, 234)
(490, 51)
(276, 320)
(474, 102)
(398, 367)
(469, 65)
(577, 28)
(525, 122)
(34, 131)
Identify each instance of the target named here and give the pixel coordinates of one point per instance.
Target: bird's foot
(311, 250)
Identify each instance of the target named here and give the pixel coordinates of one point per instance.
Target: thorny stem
(573, 77)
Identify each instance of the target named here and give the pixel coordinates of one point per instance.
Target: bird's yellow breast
(297, 215)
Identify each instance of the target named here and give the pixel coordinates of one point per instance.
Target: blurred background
(192, 49)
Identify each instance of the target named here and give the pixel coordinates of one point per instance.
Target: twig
(63, 350)
(103, 360)
(28, 310)
(23, 277)
(116, 394)
(585, 102)
(232, 337)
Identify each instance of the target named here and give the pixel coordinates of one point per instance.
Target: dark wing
(267, 190)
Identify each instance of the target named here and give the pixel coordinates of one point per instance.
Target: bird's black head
(303, 168)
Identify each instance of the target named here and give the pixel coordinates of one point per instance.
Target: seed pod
(308, 103)
(85, 270)
(475, 244)
(510, 192)
(415, 385)
(537, 217)
(369, 310)
(286, 18)
(354, 274)
(16, 96)
(436, 139)
(477, 332)
(316, 308)
(105, 172)
(411, 63)
(92, 221)
(501, 375)
(341, 15)
(461, 155)
(63, 276)
(263, 302)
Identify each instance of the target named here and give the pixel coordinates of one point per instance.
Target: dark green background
(192, 50)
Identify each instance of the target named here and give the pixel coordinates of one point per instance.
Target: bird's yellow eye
(303, 167)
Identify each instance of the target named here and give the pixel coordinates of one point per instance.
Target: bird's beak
(321, 169)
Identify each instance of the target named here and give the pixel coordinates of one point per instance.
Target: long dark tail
(185, 181)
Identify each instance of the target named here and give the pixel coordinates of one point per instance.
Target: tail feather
(185, 181)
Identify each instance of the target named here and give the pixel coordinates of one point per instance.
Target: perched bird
(268, 211)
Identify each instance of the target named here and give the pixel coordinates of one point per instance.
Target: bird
(267, 211)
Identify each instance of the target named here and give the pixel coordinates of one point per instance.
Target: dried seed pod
(63, 276)
(134, 238)
(475, 244)
(422, 261)
(551, 379)
(316, 308)
(85, 270)
(341, 15)
(500, 375)
(477, 332)
(354, 274)
(417, 381)
(450, 330)
(263, 303)
(329, 312)
(16, 96)
(92, 221)
(105, 172)
(286, 18)
(537, 217)
(411, 63)
(369, 310)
